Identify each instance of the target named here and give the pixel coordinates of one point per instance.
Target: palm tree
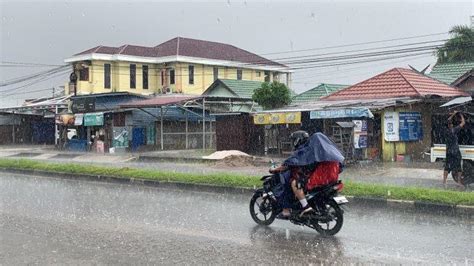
(459, 48)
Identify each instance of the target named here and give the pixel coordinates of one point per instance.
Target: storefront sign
(277, 118)
(391, 131)
(411, 126)
(341, 113)
(83, 105)
(94, 119)
(360, 134)
(78, 118)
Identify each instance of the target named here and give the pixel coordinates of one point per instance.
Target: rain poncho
(319, 148)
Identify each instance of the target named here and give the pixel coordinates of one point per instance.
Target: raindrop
(218, 20)
(313, 16)
(83, 14)
(228, 3)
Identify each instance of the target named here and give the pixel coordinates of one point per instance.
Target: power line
(361, 43)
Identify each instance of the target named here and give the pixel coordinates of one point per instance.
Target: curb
(146, 158)
(357, 200)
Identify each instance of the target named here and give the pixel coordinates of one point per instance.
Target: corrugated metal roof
(160, 101)
(448, 73)
(317, 92)
(371, 104)
(397, 82)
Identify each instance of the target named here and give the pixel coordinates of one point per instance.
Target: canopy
(459, 100)
(319, 148)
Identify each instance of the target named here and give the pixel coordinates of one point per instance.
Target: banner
(277, 118)
(341, 113)
(391, 124)
(64, 119)
(411, 126)
(94, 119)
(360, 134)
(78, 118)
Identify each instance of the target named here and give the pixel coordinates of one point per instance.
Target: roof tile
(397, 82)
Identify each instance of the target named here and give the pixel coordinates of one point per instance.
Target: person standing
(453, 154)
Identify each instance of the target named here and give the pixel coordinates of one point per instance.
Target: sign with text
(411, 126)
(341, 113)
(94, 119)
(391, 131)
(277, 118)
(83, 105)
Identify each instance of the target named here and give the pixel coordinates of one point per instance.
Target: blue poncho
(319, 148)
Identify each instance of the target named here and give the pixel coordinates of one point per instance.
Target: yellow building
(180, 65)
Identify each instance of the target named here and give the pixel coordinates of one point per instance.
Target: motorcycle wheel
(262, 209)
(334, 226)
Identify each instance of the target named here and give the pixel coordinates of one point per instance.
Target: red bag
(325, 173)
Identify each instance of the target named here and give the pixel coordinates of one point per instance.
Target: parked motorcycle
(327, 217)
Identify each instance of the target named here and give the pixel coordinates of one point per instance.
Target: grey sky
(49, 32)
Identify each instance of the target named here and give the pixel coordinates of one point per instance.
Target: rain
(236, 132)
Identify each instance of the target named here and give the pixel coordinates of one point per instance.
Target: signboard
(78, 118)
(391, 124)
(277, 118)
(341, 113)
(94, 119)
(83, 105)
(360, 134)
(411, 126)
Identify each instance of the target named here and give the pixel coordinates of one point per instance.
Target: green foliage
(235, 180)
(272, 95)
(459, 48)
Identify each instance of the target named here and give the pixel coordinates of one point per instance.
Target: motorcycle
(327, 215)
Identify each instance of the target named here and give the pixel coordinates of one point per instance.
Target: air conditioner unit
(168, 90)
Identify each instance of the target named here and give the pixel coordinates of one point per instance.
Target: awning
(341, 113)
(160, 101)
(459, 100)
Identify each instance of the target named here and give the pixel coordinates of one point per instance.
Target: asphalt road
(59, 221)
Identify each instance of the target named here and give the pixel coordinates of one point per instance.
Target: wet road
(48, 220)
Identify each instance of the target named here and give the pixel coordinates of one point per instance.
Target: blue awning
(341, 113)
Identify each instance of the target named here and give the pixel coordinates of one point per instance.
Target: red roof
(160, 101)
(186, 47)
(397, 82)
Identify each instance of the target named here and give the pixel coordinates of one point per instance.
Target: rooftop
(448, 73)
(394, 83)
(184, 47)
(317, 92)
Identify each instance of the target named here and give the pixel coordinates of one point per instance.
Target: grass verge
(232, 180)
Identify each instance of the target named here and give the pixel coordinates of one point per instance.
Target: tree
(459, 48)
(272, 95)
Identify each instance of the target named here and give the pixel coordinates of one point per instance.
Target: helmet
(299, 138)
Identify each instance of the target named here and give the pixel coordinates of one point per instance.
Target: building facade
(180, 65)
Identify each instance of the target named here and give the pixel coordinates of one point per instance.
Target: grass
(233, 180)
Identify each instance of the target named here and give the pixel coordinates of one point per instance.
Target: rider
(296, 177)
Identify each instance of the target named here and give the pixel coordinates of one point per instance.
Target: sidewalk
(190, 161)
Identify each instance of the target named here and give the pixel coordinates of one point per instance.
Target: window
(267, 76)
(172, 76)
(133, 76)
(107, 76)
(191, 74)
(239, 74)
(216, 72)
(84, 74)
(145, 77)
(259, 74)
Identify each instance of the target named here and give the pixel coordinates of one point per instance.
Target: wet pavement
(49, 220)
